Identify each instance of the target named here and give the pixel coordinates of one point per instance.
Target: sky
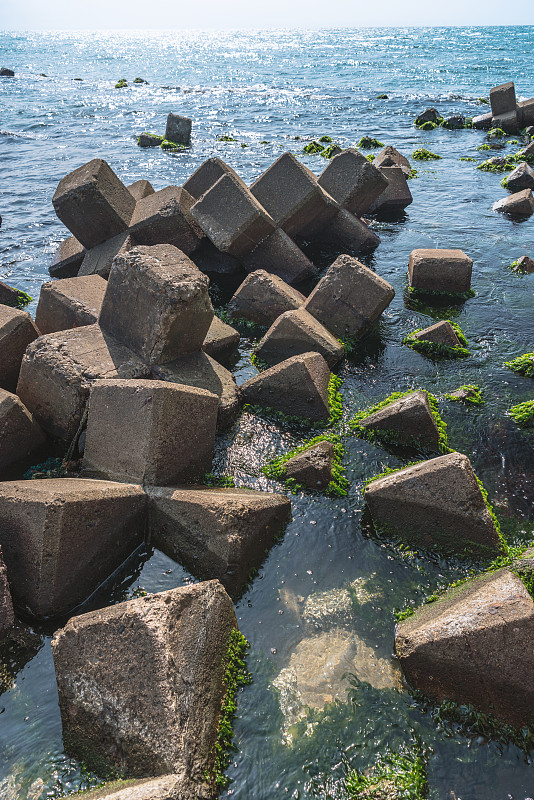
(158, 14)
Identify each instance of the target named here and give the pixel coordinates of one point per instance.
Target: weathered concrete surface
(474, 645)
(290, 193)
(19, 433)
(440, 270)
(435, 503)
(7, 618)
(297, 387)
(409, 419)
(231, 217)
(483, 121)
(519, 204)
(204, 372)
(149, 432)
(296, 332)
(164, 218)
(353, 181)
(439, 333)
(17, 330)
(508, 122)
(207, 176)
(9, 296)
(217, 533)
(98, 260)
(140, 189)
(522, 177)
(59, 368)
(526, 113)
(349, 298)
(167, 787)
(70, 303)
(93, 203)
(221, 339)
(502, 99)
(313, 467)
(62, 537)
(348, 232)
(141, 684)
(67, 258)
(390, 157)
(178, 129)
(157, 303)
(262, 297)
(279, 255)
(212, 261)
(397, 195)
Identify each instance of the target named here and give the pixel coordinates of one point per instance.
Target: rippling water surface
(266, 89)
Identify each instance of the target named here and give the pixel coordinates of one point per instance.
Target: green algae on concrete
(523, 413)
(369, 143)
(522, 365)
(276, 469)
(435, 350)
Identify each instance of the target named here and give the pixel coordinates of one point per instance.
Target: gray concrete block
(70, 303)
(17, 330)
(164, 218)
(353, 181)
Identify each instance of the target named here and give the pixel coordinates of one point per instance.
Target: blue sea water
(272, 91)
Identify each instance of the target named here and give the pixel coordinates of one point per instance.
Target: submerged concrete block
(231, 217)
(297, 386)
(508, 122)
(59, 368)
(349, 298)
(217, 533)
(279, 255)
(204, 372)
(67, 258)
(141, 683)
(436, 503)
(262, 297)
(520, 204)
(439, 333)
(93, 203)
(440, 270)
(17, 330)
(70, 303)
(98, 260)
(397, 196)
(483, 121)
(62, 537)
(140, 189)
(19, 433)
(313, 467)
(348, 232)
(157, 303)
(221, 339)
(474, 645)
(149, 432)
(178, 129)
(290, 193)
(296, 332)
(207, 176)
(409, 420)
(164, 218)
(502, 99)
(353, 181)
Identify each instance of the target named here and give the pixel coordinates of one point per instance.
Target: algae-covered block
(61, 537)
(406, 421)
(93, 203)
(435, 270)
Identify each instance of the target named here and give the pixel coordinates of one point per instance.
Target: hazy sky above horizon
(157, 14)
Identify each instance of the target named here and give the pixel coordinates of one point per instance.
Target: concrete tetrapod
(17, 330)
(69, 303)
(296, 332)
(262, 297)
(407, 421)
(19, 433)
(436, 503)
(141, 683)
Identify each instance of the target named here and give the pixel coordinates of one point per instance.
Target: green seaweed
(339, 484)
(171, 146)
(325, 139)
(395, 776)
(523, 413)
(329, 152)
(490, 166)
(427, 126)
(222, 481)
(483, 147)
(496, 133)
(382, 97)
(158, 139)
(121, 84)
(426, 294)
(370, 157)
(413, 173)
(20, 300)
(467, 158)
(504, 182)
(522, 365)
(483, 101)
(235, 676)
(335, 400)
(258, 362)
(474, 394)
(435, 350)
(391, 437)
(422, 154)
(226, 138)
(140, 80)
(313, 148)
(368, 143)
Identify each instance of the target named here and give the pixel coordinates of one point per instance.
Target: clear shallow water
(273, 87)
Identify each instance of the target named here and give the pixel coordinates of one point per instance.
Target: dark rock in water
(524, 264)
(7, 618)
(522, 177)
(520, 204)
(71, 303)
(262, 297)
(149, 140)
(156, 664)
(313, 467)
(67, 259)
(178, 129)
(217, 533)
(508, 122)
(435, 503)
(430, 115)
(502, 99)
(9, 296)
(17, 330)
(19, 433)
(528, 151)
(382, 97)
(296, 387)
(6, 73)
(474, 645)
(410, 421)
(454, 123)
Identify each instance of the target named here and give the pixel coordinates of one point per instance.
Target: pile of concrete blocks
(506, 112)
